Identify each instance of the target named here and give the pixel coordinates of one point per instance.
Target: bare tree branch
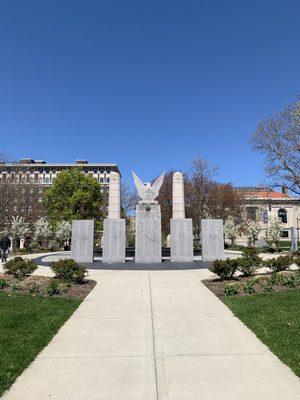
(278, 138)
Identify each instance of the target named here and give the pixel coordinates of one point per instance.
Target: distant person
(4, 246)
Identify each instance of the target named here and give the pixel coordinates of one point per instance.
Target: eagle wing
(141, 189)
(155, 188)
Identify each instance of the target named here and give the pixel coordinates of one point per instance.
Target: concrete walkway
(149, 335)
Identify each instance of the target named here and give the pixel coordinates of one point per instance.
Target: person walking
(4, 246)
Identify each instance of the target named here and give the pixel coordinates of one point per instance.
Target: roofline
(59, 164)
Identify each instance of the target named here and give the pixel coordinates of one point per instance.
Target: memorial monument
(82, 242)
(114, 238)
(148, 222)
(181, 228)
(212, 239)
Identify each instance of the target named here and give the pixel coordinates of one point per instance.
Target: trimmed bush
(225, 269)
(19, 267)
(279, 264)
(69, 271)
(250, 262)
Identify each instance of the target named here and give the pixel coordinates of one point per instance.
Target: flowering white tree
(230, 230)
(19, 228)
(63, 231)
(275, 228)
(252, 231)
(42, 230)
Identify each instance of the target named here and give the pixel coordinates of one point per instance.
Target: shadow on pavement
(131, 265)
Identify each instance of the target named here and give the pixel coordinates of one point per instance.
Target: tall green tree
(73, 195)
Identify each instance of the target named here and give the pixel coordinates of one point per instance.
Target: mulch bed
(37, 285)
(217, 286)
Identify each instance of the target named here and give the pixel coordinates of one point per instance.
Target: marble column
(181, 227)
(114, 240)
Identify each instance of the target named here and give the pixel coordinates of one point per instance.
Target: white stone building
(262, 204)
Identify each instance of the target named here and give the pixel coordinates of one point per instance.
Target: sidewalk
(149, 335)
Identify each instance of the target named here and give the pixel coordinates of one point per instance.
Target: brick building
(26, 180)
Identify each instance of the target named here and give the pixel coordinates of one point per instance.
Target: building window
(284, 234)
(40, 180)
(251, 213)
(47, 180)
(282, 214)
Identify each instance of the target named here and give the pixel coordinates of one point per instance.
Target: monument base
(212, 239)
(82, 242)
(114, 241)
(148, 234)
(182, 240)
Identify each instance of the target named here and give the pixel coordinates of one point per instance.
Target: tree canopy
(278, 138)
(73, 195)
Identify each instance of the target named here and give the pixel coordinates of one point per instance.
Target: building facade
(30, 178)
(261, 205)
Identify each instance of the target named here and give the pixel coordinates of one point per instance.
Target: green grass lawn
(27, 324)
(275, 319)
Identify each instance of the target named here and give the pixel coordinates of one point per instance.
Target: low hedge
(19, 267)
(69, 271)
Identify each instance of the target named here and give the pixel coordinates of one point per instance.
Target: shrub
(289, 281)
(34, 289)
(19, 267)
(3, 283)
(231, 290)
(69, 271)
(279, 264)
(276, 278)
(16, 287)
(249, 286)
(268, 286)
(53, 288)
(297, 277)
(250, 262)
(225, 269)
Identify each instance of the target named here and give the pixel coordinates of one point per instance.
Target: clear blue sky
(147, 84)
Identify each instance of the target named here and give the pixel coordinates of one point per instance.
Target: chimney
(81, 162)
(284, 190)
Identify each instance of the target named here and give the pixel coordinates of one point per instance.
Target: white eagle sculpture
(147, 192)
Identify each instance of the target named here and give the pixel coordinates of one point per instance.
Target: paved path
(154, 335)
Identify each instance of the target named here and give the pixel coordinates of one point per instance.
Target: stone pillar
(82, 242)
(212, 239)
(178, 196)
(181, 228)
(114, 240)
(294, 239)
(148, 234)
(22, 241)
(114, 196)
